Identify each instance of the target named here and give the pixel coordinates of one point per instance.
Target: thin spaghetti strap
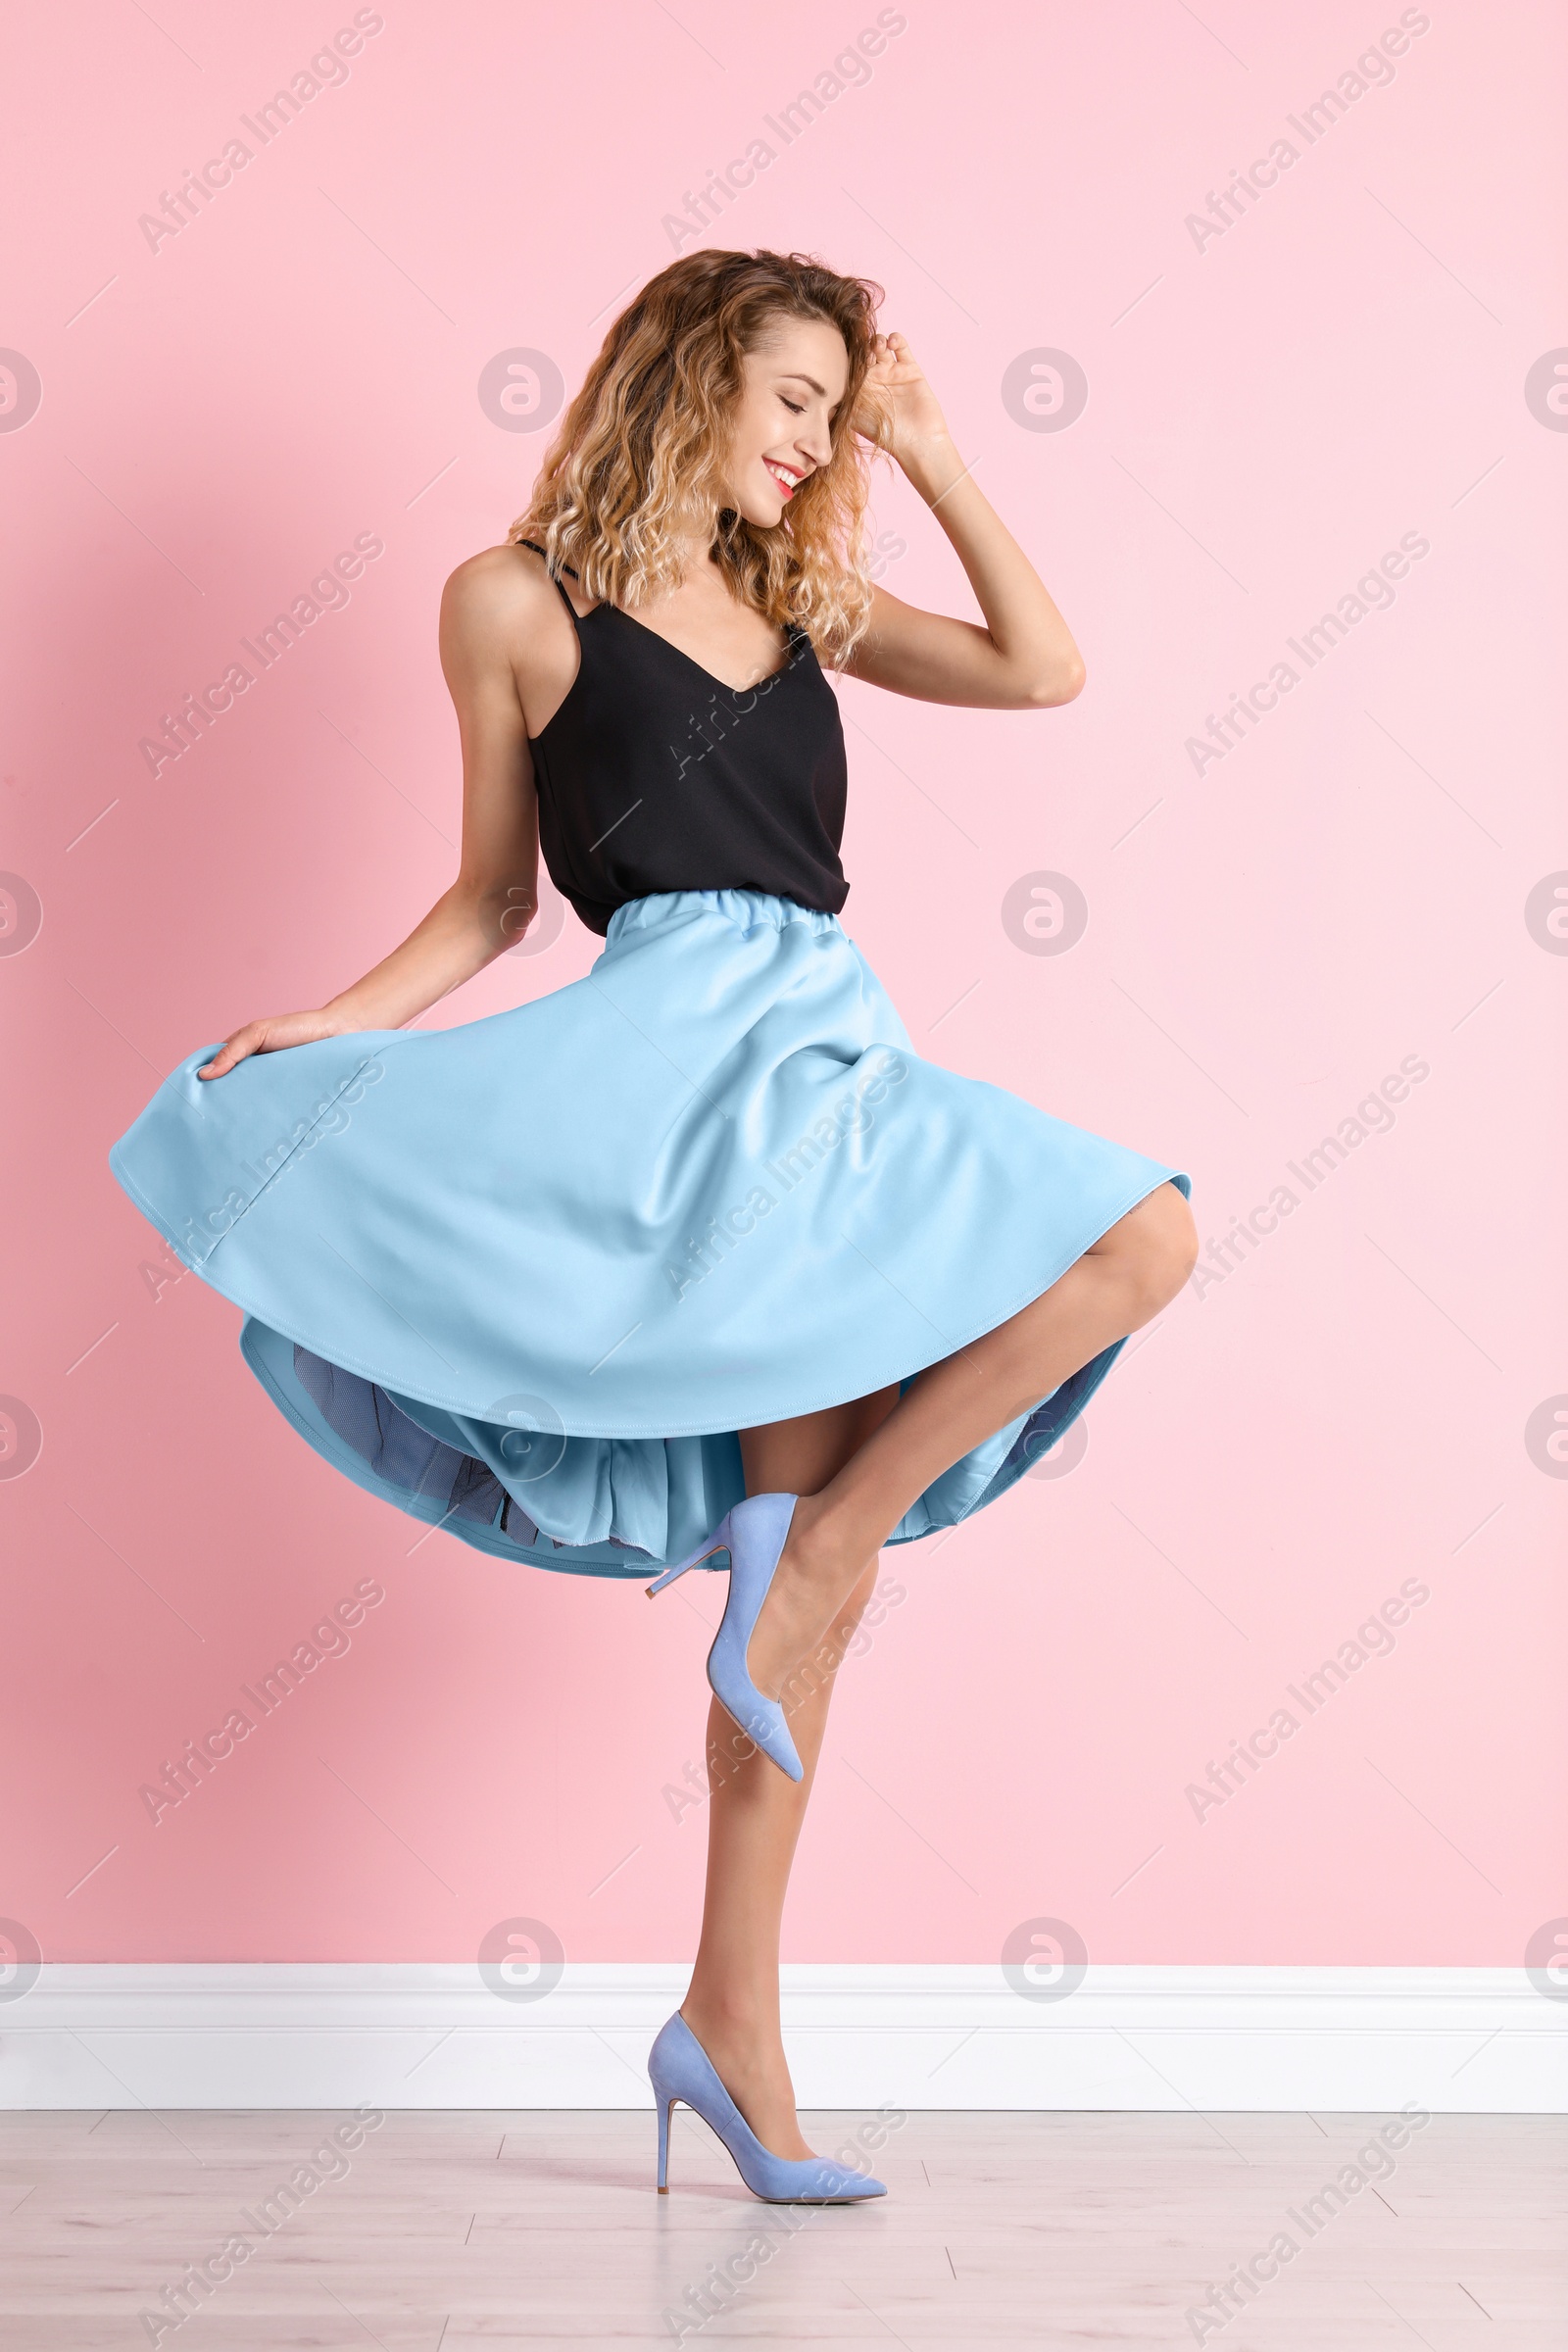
(566, 567)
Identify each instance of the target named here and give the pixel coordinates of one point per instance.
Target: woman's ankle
(738, 2023)
(753, 2070)
(831, 1537)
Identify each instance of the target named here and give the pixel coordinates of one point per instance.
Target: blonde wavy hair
(637, 462)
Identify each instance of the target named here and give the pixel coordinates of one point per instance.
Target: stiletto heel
(679, 2067)
(753, 1534)
(719, 1540)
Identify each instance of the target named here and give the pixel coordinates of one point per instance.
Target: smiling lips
(786, 477)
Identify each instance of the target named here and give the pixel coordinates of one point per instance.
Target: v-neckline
(603, 605)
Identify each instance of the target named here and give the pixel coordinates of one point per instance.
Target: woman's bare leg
(857, 1469)
(1119, 1284)
(755, 1812)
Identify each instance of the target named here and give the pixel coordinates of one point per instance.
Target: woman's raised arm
(1024, 657)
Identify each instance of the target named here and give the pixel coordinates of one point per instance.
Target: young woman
(693, 1260)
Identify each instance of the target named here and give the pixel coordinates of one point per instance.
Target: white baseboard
(287, 2035)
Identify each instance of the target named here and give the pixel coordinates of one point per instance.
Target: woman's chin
(765, 511)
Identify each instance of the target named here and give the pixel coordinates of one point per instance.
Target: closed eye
(795, 408)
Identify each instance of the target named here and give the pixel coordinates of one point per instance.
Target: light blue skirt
(529, 1278)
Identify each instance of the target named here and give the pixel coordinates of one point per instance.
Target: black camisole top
(654, 775)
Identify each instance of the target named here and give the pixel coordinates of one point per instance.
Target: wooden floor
(448, 2232)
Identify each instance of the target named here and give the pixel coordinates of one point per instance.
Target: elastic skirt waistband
(747, 909)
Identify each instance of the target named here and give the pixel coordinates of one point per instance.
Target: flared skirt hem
(529, 1278)
(789, 1404)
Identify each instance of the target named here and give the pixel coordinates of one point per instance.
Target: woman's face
(793, 381)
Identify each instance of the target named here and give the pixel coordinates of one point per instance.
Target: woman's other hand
(269, 1036)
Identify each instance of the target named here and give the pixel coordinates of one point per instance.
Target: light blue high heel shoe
(679, 2067)
(753, 1534)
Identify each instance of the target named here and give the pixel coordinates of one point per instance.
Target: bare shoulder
(500, 613)
(505, 635)
(492, 594)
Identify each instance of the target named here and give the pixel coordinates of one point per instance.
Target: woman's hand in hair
(897, 409)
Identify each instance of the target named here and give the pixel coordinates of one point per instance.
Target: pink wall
(1271, 410)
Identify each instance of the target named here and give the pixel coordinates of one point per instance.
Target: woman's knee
(1162, 1246)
